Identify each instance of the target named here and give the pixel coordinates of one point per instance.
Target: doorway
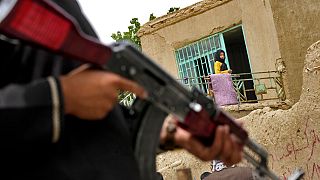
(238, 58)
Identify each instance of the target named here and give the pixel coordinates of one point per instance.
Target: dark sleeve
(31, 107)
(31, 113)
(73, 8)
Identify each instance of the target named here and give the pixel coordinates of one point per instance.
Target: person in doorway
(60, 119)
(220, 67)
(221, 84)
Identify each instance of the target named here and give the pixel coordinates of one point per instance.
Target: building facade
(257, 35)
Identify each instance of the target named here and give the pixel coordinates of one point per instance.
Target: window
(195, 60)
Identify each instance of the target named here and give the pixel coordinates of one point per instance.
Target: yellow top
(217, 67)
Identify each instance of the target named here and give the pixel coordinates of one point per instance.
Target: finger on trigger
(133, 87)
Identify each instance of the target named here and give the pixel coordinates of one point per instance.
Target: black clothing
(85, 149)
(217, 58)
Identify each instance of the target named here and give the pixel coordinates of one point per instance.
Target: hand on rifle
(225, 146)
(91, 94)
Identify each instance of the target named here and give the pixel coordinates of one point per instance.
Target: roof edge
(180, 15)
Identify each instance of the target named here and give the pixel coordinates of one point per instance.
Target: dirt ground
(291, 137)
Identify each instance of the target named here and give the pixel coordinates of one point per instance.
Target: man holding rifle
(60, 119)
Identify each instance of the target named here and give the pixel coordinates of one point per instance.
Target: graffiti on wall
(308, 149)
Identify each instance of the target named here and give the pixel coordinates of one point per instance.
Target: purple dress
(223, 90)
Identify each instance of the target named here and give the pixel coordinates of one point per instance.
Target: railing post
(282, 94)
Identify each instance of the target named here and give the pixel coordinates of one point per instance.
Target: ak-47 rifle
(44, 24)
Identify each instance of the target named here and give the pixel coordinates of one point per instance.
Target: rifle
(24, 20)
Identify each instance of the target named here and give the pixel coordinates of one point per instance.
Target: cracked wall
(292, 137)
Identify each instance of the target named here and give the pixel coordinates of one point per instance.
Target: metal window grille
(195, 61)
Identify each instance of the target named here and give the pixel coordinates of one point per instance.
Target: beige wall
(277, 33)
(258, 29)
(297, 25)
(260, 33)
(161, 44)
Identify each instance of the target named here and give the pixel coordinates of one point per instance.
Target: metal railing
(250, 87)
(266, 86)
